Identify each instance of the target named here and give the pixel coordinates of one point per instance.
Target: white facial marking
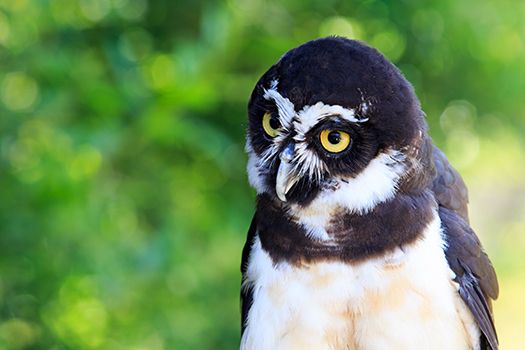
(284, 105)
(309, 116)
(403, 300)
(254, 177)
(377, 183)
(306, 163)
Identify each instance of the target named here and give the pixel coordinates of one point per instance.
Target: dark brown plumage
(474, 272)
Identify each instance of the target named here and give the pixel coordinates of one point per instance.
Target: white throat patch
(376, 184)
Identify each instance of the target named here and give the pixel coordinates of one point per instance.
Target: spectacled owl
(361, 237)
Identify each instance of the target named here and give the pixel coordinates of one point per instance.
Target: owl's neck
(339, 234)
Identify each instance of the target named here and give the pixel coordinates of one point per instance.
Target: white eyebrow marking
(306, 162)
(284, 105)
(309, 116)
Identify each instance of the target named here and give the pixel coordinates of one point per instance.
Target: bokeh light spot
(505, 44)
(391, 43)
(18, 91)
(85, 162)
(341, 26)
(162, 71)
(79, 318)
(462, 147)
(17, 334)
(459, 114)
(4, 29)
(67, 13)
(94, 10)
(130, 9)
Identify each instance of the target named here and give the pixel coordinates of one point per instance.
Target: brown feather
(465, 255)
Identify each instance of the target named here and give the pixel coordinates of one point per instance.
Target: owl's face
(332, 122)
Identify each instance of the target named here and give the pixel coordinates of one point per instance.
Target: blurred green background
(123, 195)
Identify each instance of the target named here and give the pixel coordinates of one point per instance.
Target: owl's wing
(474, 272)
(247, 290)
(448, 186)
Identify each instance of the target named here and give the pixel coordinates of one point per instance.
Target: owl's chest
(405, 300)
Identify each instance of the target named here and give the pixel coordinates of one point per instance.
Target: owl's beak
(285, 175)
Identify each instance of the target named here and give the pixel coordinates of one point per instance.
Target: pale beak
(285, 176)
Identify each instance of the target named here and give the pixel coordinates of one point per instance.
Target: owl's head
(333, 122)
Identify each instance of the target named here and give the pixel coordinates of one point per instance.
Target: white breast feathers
(404, 300)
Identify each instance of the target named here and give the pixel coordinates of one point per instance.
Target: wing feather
(246, 291)
(475, 274)
(448, 186)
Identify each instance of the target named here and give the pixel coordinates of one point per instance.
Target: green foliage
(123, 195)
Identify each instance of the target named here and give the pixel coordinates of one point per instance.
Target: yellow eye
(334, 141)
(270, 125)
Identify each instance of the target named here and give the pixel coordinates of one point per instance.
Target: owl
(361, 236)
